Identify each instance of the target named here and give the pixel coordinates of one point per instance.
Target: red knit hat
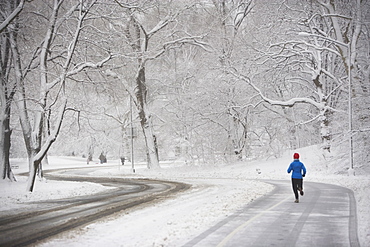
(296, 156)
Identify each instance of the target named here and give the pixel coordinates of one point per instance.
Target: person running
(299, 171)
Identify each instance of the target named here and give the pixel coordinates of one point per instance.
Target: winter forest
(209, 81)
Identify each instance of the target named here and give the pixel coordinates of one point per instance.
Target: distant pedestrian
(299, 171)
(89, 158)
(102, 158)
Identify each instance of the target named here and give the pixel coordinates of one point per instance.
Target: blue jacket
(297, 167)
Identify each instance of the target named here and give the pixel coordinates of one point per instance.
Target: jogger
(299, 171)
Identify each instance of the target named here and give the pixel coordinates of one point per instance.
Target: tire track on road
(56, 216)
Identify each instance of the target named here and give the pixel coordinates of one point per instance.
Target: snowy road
(225, 205)
(54, 216)
(325, 216)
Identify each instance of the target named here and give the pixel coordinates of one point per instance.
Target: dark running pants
(297, 183)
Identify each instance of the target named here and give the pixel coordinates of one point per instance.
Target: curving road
(325, 216)
(55, 216)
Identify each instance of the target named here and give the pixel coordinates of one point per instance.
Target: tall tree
(8, 27)
(141, 34)
(231, 16)
(54, 67)
(315, 60)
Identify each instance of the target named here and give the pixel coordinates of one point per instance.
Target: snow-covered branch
(287, 103)
(191, 40)
(73, 43)
(11, 17)
(53, 135)
(298, 44)
(160, 25)
(78, 68)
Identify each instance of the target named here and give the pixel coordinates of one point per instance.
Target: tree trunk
(145, 120)
(152, 149)
(34, 144)
(9, 10)
(38, 152)
(32, 173)
(5, 133)
(325, 131)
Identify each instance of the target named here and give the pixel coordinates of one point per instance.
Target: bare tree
(140, 34)
(15, 7)
(50, 78)
(230, 17)
(8, 27)
(316, 63)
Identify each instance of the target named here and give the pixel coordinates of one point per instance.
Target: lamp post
(132, 137)
(113, 74)
(348, 46)
(350, 108)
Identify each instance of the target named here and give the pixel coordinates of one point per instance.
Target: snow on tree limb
(78, 68)
(288, 103)
(53, 135)
(191, 40)
(11, 17)
(300, 43)
(161, 24)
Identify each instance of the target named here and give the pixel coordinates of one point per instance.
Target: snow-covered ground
(217, 192)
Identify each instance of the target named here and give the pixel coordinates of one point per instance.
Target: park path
(325, 216)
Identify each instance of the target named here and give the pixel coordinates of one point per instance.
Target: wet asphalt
(325, 216)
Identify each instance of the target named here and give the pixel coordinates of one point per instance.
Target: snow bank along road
(55, 216)
(326, 216)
